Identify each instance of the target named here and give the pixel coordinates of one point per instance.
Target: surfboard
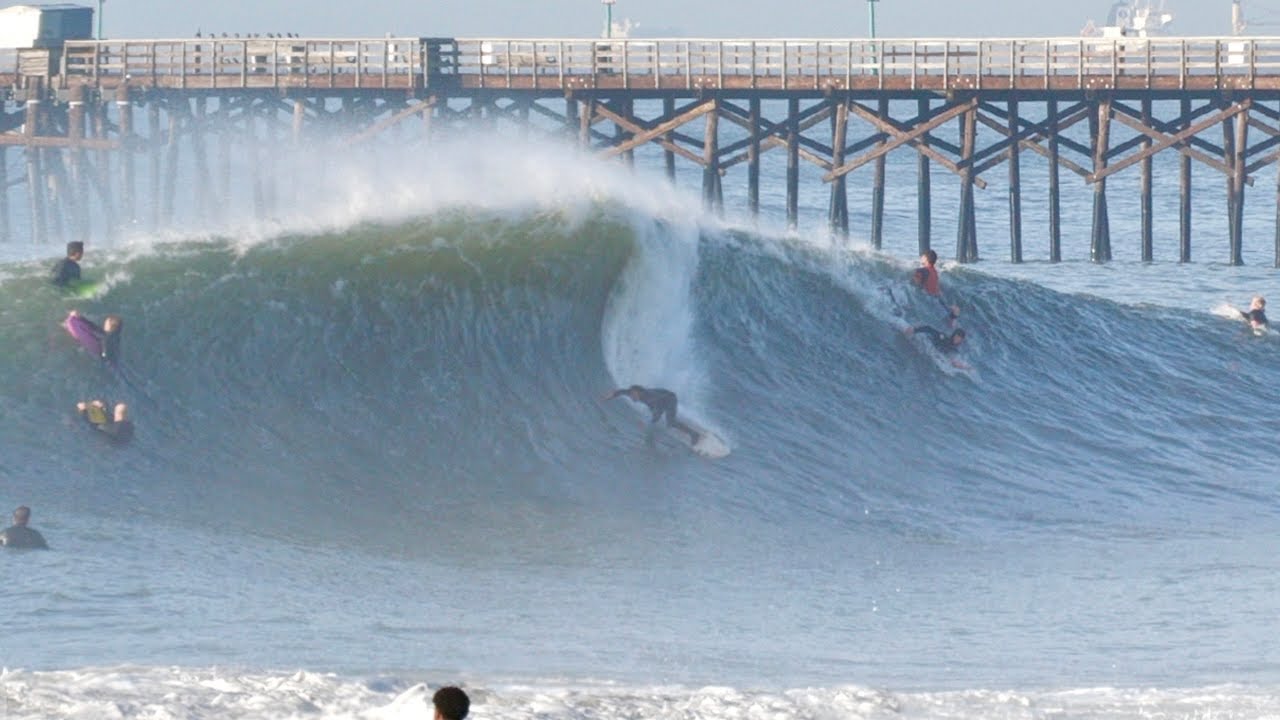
(709, 444)
(80, 329)
(86, 290)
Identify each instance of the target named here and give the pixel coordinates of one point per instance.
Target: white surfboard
(709, 444)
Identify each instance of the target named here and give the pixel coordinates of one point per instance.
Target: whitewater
(372, 459)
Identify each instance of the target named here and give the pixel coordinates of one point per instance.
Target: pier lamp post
(871, 16)
(608, 18)
(99, 19)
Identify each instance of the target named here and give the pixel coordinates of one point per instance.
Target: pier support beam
(924, 190)
(1184, 193)
(877, 187)
(966, 233)
(753, 158)
(838, 211)
(712, 191)
(35, 172)
(793, 164)
(1015, 187)
(1100, 243)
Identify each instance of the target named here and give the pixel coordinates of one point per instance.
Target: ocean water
(372, 458)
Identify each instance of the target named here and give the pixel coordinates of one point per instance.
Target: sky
(650, 18)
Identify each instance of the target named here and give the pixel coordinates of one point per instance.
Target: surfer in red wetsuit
(926, 277)
(660, 402)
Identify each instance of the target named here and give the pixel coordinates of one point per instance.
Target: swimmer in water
(19, 535)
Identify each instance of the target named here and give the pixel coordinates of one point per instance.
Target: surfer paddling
(103, 341)
(1256, 315)
(118, 428)
(926, 277)
(660, 402)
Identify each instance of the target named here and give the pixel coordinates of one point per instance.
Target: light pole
(608, 18)
(99, 18)
(871, 16)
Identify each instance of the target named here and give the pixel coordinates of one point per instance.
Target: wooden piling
(668, 155)
(924, 190)
(753, 159)
(1144, 188)
(77, 186)
(1184, 192)
(1055, 199)
(1015, 186)
(1238, 132)
(157, 136)
(712, 193)
(877, 187)
(966, 242)
(35, 172)
(838, 207)
(793, 163)
(1100, 129)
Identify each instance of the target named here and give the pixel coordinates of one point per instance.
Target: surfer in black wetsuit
(67, 271)
(660, 402)
(1257, 313)
(19, 535)
(947, 344)
(118, 428)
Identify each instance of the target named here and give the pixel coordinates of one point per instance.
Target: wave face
(373, 368)
(427, 389)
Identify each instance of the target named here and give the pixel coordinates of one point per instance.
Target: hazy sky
(688, 18)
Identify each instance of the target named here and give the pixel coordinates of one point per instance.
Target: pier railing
(683, 64)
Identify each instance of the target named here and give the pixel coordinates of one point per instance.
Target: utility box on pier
(44, 26)
(32, 36)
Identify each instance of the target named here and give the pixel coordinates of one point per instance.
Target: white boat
(1133, 18)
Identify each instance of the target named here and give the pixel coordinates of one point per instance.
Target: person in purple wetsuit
(660, 402)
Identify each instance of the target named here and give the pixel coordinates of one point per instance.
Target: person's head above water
(1258, 303)
(451, 703)
(75, 249)
(121, 412)
(958, 336)
(22, 516)
(112, 323)
(929, 257)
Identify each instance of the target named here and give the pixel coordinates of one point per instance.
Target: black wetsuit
(66, 271)
(21, 536)
(118, 433)
(942, 342)
(111, 345)
(1256, 317)
(660, 402)
(110, 341)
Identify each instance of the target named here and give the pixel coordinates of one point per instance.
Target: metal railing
(1051, 63)
(255, 62)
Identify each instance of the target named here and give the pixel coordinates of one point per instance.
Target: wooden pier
(1092, 107)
